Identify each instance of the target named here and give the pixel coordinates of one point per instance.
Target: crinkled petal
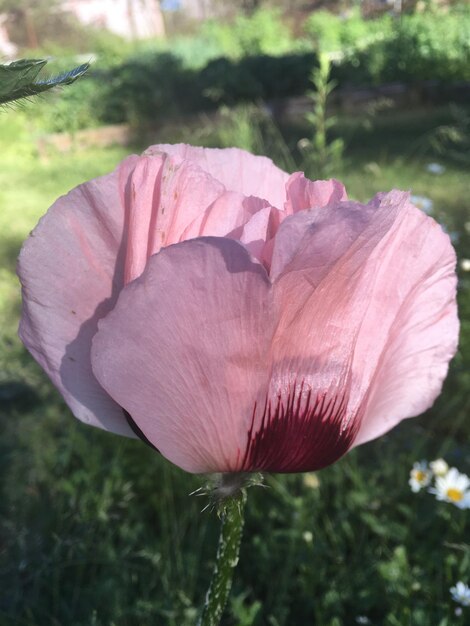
(162, 198)
(236, 169)
(70, 273)
(303, 193)
(168, 201)
(185, 351)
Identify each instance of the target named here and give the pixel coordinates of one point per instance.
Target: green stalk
(232, 516)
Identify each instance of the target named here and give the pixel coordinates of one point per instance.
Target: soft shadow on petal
(185, 351)
(258, 232)
(70, 271)
(236, 169)
(226, 216)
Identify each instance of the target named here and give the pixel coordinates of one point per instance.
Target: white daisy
(461, 593)
(465, 265)
(439, 467)
(420, 476)
(454, 487)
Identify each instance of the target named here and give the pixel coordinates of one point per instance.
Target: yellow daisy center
(454, 494)
(420, 476)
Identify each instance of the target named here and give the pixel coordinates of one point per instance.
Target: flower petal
(168, 201)
(258, 232)
(185, 351)
(322, 272)
(226, 216)
(236, 169)
(410, 331)
(69, 272)
(303, 193)
(162, 198)
(374, 290)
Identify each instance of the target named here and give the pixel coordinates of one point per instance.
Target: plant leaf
(19, 79)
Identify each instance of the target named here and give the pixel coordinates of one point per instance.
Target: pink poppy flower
(236, 317)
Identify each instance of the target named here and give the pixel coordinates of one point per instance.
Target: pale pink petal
(315, 240)
(227, 214)
(321, 273)
(162, 198)
(259, 231)
(236, 169)
(414, 320)
(70, 276)
(185, 351)
(303, 193)
(368, 306)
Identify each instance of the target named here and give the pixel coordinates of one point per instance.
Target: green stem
(232, 515)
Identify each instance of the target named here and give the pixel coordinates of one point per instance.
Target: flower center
(420, 476)
(455, 495)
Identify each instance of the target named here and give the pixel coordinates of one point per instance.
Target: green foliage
(254, 78)
(18, 79)
(72, 110)
(262, 32)
(155, 86)
(252, 128)
(429, 46)
(324, 28)
(148, 86)
(453, 140)
(322, 155)
(253, 59)
(342, 33)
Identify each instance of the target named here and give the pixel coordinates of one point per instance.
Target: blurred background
(96, 530)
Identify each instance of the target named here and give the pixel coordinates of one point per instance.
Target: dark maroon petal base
(303, 432)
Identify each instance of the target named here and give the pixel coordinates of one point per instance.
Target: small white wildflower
(307, 536)
(311, 480)
(465, 265)
(420, 476)
(454, 487)
(423, 203)
(439, 467)
(435, 168)
(304, 143)
(362, 619)
(461, 593)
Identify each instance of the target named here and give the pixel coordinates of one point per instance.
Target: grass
(98, 530)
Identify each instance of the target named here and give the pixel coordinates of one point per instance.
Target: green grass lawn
(96, 530)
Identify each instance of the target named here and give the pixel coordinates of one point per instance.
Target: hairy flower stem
(232, 515)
